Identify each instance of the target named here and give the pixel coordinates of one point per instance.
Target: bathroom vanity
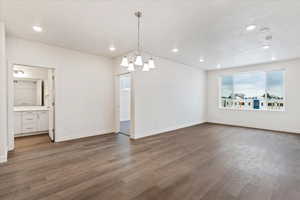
(31, 120)
(33, 98)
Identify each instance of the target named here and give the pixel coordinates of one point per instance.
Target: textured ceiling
(214, 29)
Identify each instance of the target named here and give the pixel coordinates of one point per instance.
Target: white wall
(3, 92)
(282, 121)
(84, 87)
(170, 97)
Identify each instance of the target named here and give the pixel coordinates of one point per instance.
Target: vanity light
(19, 73)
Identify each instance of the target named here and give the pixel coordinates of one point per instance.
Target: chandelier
(137, 61)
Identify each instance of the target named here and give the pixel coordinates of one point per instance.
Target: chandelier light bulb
(131, 67)
(151, 63)
(125, 62)
(138, 60)
(146, 67)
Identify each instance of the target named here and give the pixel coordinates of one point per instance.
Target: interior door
(51, 104)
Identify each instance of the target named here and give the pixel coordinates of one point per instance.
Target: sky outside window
(275, 83)
(250, 84)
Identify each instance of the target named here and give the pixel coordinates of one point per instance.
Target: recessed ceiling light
(37, 28)
(112, 48)
(251, 27)
(266, 47)
(175, 50)
(219, 66)
(201, 60)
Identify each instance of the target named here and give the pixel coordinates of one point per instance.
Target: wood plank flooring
(206, 162)
(125, 127)
(31, 142)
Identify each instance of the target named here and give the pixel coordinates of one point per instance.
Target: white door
(51, 103)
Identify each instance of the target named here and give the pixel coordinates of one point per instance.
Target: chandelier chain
(139, 37)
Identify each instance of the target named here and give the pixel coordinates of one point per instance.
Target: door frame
(117, 104)
(10, 104)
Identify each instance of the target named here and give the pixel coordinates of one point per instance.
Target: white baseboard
(11, 147)
(3, 158)
(258, 127)
(78, 136)
(164, 130)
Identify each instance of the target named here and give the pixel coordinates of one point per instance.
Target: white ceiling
(214, 29)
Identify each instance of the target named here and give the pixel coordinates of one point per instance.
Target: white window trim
(252, 109)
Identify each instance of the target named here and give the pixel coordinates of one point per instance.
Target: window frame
(283, 70)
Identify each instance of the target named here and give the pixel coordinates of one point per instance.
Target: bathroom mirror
(28, 92)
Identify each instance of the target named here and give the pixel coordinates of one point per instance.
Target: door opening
(125, 99)
(33, 106)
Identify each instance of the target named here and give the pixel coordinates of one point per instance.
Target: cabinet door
(29, 122)
(43, 121)
(17, 123)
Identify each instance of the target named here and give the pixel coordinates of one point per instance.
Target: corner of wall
(3, 93)
(3, 158)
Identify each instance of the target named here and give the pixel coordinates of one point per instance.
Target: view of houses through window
(253, 91)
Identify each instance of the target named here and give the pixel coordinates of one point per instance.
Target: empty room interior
(150, 100)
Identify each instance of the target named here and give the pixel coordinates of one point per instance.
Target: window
(253, 91)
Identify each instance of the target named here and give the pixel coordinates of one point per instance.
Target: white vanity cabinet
(43, 120)
(31, 122)
(18, 123)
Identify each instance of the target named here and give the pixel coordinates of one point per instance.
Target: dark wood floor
(125, 127)
(32, 142)
(201, 162)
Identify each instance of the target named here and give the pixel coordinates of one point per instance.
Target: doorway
(32, 106)
(125, 103)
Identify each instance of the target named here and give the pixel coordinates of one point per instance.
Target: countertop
(30, 108)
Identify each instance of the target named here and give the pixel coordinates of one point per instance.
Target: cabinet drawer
(31, 127)
(28, 120)
(29, 115)
(28, 130)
